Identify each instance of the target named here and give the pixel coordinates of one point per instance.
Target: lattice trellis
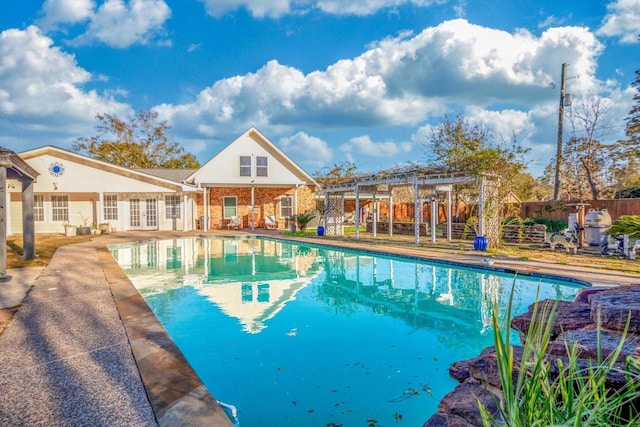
(334, 215)
(490, 201)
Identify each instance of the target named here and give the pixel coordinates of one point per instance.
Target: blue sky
(327, 81)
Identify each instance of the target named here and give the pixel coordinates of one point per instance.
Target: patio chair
(234, 222)
(270, 222)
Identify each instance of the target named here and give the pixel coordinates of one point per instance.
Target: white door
(143, 214)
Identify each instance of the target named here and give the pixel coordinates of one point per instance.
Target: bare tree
(588, 155)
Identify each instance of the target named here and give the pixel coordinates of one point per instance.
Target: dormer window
(245, 165)
(261, 166)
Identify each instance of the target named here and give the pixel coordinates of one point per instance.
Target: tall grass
(560, 391)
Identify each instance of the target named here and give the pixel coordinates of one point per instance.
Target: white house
(75, 189)
(252, 179)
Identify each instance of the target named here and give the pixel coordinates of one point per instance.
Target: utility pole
(556, 190)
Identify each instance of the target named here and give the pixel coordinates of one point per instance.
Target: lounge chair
(234, 222)
(270, 222)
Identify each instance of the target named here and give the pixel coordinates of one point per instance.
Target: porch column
(101, 207)
(205, 213)
(3, 223)
(253, 208)
(184, 212)
(28, 227)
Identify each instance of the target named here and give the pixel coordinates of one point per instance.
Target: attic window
(261, 166)
(245, 165)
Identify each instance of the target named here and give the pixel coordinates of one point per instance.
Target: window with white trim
(111, 207)
(286, 206)
(245, 165)
(261, 166)
(230, 206)
(60, 208)
(172, 206)
(38, 207)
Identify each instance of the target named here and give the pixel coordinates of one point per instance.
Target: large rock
(447, 420)
(461, 403)
(569, 315)
(484, 368)
(614, 307)
(586, 344)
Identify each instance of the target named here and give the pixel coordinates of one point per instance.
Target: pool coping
(175, 391)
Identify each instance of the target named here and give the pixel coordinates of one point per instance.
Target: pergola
(13, 167)
(433, 183)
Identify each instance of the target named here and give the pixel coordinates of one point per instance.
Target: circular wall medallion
(56, 169)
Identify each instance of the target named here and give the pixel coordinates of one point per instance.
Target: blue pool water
(314, 336)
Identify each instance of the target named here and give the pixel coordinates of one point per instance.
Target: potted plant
(70, 229)
(85, 229)
(94, 228)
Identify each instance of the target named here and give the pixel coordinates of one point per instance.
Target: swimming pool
(303, 335)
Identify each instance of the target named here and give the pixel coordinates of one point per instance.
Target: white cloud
(116, 23)
(550, 21)
(307, 149)
(258, 8)
(119, 24)
(364, 146)
(622, 20)
(65, 12)
(41, 90)
(399, 81)
(193, 47)
(278, 8)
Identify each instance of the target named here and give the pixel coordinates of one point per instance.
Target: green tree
(139, 142)
(463, 146)
(468, 147)
(632, 144)
(338, 173)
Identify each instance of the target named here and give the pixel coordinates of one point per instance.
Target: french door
(143, 214)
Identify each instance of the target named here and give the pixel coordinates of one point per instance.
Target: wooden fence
(561, 210)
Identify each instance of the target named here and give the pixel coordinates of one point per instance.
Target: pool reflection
(253, 279)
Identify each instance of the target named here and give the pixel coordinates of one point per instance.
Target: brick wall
(267, 202)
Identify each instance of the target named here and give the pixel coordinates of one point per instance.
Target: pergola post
(28, 227)
(416, 211)
(3, 223)
(357, 212)
(374, 217)
(434, 217)
(390, 212)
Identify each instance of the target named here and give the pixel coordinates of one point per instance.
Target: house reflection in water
(248, 279)
(253, 279)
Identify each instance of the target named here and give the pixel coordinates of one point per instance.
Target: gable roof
(105, 166)
(17, 168)
(219, 170)
(175, 175)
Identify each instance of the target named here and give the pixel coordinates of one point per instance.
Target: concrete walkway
(66, 359)
(84, 348)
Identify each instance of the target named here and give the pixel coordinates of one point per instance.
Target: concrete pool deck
(84, 348)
